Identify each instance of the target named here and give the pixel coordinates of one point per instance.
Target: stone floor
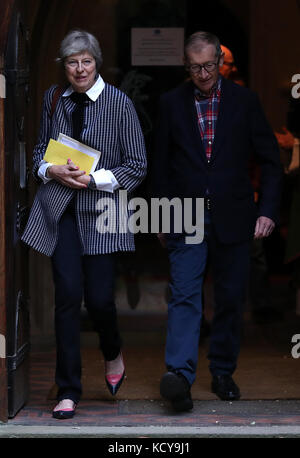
(139, 418)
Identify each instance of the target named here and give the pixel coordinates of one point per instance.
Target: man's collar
(216, 87)
(93, 93)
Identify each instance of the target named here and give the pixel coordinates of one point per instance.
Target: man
(207, 128)
(228, 68)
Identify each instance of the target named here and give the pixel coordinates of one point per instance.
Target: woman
(62, 222)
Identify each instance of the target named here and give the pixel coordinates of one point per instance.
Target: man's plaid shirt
(207, 111)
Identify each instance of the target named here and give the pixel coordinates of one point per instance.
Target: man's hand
(264, 227)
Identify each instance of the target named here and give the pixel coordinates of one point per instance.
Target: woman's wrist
(48, 173)
(92, 183)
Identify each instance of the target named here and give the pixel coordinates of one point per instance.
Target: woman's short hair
(200, 39)
(78, 41)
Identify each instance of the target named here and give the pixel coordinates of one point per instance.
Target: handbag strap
(57, 93)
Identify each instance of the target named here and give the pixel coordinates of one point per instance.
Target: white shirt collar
(93, 93)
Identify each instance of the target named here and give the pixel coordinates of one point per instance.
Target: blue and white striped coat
(111, 126)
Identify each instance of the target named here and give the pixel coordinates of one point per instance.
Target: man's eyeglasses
(197, 68)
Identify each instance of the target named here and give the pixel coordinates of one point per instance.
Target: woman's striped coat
(111, 126)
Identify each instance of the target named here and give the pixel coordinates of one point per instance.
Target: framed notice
(157, 46)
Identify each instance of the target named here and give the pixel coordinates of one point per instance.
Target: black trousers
(78, 277)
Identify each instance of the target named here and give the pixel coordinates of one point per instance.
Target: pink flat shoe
(114, 380)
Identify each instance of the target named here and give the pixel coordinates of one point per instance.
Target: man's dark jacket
(180, 169)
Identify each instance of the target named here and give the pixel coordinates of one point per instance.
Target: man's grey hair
(198, 40)
(78, 41)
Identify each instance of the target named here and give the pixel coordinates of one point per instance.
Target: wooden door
(14, 209)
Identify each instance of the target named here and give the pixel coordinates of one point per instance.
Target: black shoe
(114, 381)
(176, 388)
(225, 388)
(65, 413)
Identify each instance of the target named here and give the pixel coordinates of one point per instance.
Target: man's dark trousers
(230, 269)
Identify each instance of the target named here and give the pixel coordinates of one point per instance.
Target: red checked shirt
(207, 111)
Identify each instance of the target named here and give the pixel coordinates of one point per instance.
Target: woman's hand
(69, 175)
(84, 179)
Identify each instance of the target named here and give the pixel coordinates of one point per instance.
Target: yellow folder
(57, 153)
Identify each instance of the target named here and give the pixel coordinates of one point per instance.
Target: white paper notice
(72, 143)
(157, 46)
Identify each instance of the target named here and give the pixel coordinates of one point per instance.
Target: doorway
(142, 286)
